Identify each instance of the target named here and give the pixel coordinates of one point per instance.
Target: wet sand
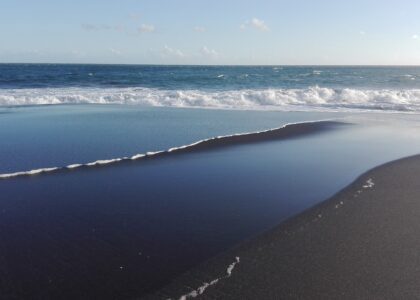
(363, 243)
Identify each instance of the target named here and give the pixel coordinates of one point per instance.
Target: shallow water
(123, 230)
(49, 136)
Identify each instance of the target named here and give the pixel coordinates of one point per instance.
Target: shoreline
(286, 131)
(359, 244)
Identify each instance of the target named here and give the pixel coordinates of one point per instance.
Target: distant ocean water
(239, 87)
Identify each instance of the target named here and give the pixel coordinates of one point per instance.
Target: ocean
(116, 179)
(242, 87)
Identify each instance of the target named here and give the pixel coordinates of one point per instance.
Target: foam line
(200, 290)
(286, 131)
(369, 184)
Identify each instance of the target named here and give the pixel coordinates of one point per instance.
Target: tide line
(217, 141)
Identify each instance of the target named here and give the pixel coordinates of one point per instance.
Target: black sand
(363, 243)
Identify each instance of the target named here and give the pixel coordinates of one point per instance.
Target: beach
(126, 228)
(360, 244)
(132, 181)
(183, 150)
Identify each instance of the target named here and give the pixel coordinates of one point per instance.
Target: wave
(312, 98)
(286, 131)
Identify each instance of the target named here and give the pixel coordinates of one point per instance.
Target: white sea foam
(232, 266)
(138, 156)
(103, 162)
(74, 166)
(28, 173)
(312, 98)
(200, 290)
(369, 184)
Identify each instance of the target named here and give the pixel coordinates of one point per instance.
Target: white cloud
(199, 29)
(362, 32)
(259, 24)
(115, 51)
(415, 37)
(168, 51)
(146, 28)
(88, 27)
(255, 23)
(209, 52)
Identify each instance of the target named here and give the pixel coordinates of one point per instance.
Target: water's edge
(180, 286)
(289, 130)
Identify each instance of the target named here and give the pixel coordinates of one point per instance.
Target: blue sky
(211, 31)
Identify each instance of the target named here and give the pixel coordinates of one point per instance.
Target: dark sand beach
(185, 149)
(361, 244)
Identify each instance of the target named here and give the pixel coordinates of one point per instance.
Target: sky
(228, 32)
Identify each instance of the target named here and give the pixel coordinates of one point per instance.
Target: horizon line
(212, 65)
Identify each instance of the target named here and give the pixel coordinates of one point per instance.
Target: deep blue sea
(120, 229)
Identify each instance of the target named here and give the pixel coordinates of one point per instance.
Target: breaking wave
(312, 98)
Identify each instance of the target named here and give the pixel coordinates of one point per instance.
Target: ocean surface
(241, 87)
(108, 218)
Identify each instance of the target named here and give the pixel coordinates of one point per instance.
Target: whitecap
(311, 98)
